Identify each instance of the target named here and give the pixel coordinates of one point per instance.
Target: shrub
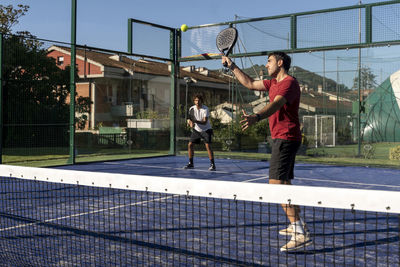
(394, 153)
(232, 137)
(368, 151)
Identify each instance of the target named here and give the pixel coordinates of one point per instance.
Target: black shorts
(282, 159)
(196, 136)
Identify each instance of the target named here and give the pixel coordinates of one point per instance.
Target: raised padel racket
(226, 40)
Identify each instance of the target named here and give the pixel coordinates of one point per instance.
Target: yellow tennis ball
(184, 27)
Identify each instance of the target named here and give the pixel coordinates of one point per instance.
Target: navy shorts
(196, 136)
(282, 160)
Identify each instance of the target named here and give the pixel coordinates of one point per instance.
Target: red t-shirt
(284, 123)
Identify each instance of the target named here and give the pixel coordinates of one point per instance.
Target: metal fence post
(72, 85)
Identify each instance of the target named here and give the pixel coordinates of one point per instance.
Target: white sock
(298, 227)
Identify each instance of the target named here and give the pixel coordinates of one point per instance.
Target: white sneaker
(297, 241)
(289, 230)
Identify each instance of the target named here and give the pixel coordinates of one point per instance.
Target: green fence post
(1, 98)
(174, 81)
(359, 87)
(72, 85)
(130, 36)
(368, 24)
(293, 32)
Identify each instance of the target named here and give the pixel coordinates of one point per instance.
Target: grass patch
(339, 155)
(46, 157)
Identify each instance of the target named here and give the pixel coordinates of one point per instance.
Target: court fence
(134, 104)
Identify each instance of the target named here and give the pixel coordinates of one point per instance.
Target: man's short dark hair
(199, 96)
(282, 56)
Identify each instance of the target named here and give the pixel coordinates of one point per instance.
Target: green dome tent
(381, 121)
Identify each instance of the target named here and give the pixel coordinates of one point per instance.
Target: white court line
(91, 212)
(174, 168)
(81, 214)
(256, 179)
(334, 181)
(352, 183)
(259, 177)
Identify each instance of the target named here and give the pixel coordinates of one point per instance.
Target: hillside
(306, 78)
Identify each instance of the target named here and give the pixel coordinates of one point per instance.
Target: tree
(35, 94)
(367, 79)
(9, 17)
(36, 90)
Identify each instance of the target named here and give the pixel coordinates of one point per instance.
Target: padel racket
(191, 114)
(226, 40)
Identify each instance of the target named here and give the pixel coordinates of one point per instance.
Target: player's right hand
(226, 60)
(190, 123)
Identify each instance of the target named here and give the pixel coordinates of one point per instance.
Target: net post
(71, 159)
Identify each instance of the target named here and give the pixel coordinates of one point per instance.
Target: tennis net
(53, 217)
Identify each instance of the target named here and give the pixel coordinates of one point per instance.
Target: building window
(60, 61)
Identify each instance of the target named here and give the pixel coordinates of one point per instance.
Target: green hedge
(394, 153)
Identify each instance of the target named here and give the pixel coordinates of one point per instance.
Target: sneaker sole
(309, 242)
(282, 232)
(285, 233)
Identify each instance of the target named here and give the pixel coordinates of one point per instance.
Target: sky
(103, 23)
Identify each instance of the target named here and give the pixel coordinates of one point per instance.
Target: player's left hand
(248, 120)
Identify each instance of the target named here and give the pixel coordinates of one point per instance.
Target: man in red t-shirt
(283, 114)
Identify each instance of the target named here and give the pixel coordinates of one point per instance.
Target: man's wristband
(258, 117)
(232, 66)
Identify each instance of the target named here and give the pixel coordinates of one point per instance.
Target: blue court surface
(55, 224)
(252, 171)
